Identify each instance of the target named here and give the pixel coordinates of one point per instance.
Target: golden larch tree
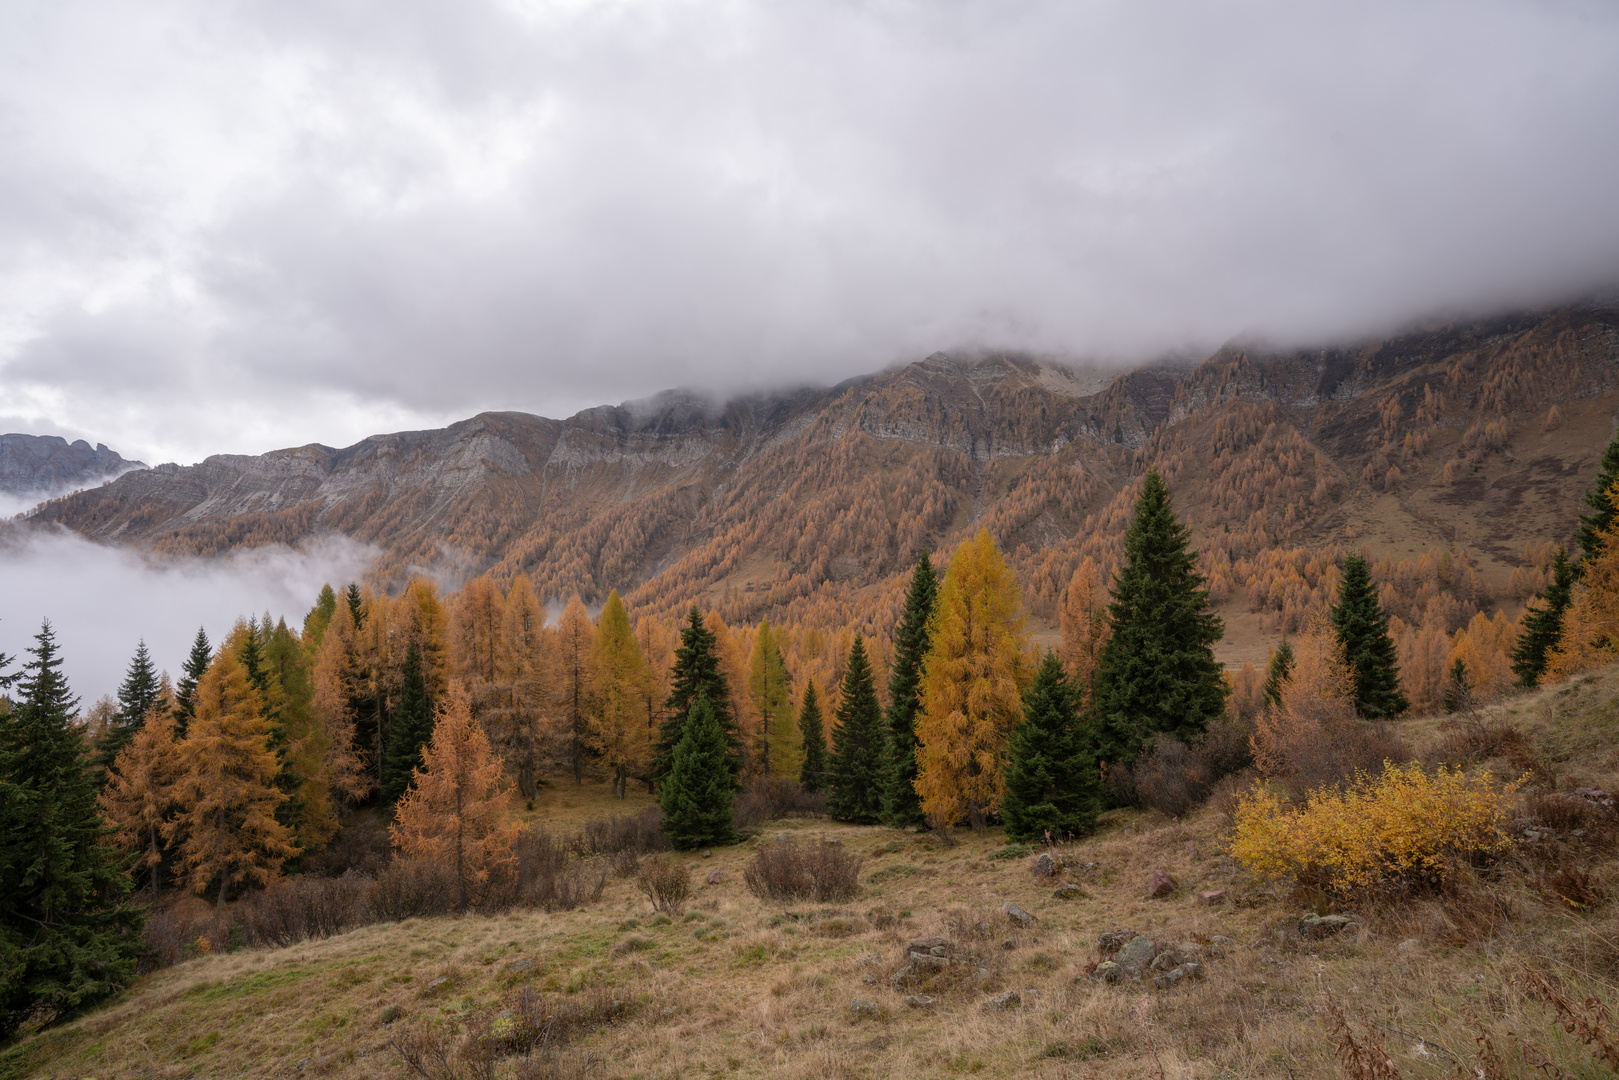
(775, 736)
(575, 637)
(1590, 636)
(1084, 625)
(523, 671)
(454, 811)
(477, 619)
(227, 787)
(618, 680)
(335, 681)
(972, 686)
(142, 791)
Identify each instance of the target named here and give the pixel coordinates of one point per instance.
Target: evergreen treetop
(137, 694)
(68, 936)
(197, 661)
(1052, 787)
(1156, 673)
(1602, 511)
(696, 795)
(811, 730)
(901, 805)
(697, 672)
(855, 771)
(412, 728)
(1362, 627)
(1278, 672)
(1542, 625)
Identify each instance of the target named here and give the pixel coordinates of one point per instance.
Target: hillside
(737, 986)
(1468, 444)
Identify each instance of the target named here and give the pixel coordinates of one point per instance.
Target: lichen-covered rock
(1017, 914)
(919, 1001)
(1135, 956)
(1068, 892)
(1107, 971)
(1007, 999)
(1320, 926)
(1211, 897)
(860, 1007)
(1112, 941)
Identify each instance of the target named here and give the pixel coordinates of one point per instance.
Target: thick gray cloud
(233, 226)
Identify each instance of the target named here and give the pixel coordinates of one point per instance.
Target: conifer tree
(411, 729)
(320, 616)
(1157, 674)
(767, 686)
(140, 796)
(1362, 627)
(1052, 785)
(1598, 499)
(333, 686)
(855, 771)
(575, 637)
(1084, 626)
(1458, 693)
(229, 828)
(901, 806)
(696, 795)
(812, 774)
(68, 936)
(619, 733)
(1277, 673)
(519, 725)
(972, 686)
(697, 671)
(136, 696)
(197, 661)
(454, 811)
(1542, 625)
(356, 603)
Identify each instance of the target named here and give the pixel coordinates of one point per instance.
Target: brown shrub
(408, 888)
(788, 871)
(188, 927)
(770, 799)
(534, 1028)
(301, 908)
(666, 884)
(1172, 779)
(639, 833)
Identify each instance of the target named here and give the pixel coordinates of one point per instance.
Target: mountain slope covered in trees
(1456, 455)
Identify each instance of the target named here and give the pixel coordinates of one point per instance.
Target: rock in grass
(1006, 999)
(1211, 897)
(1017, 914)
(919, 1001)
(1320, 926)
(1107, 971)
(860, 1007)
(1135, 956)
(1160, 884)
(1068, 892)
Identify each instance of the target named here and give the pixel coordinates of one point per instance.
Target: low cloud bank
(103, 600)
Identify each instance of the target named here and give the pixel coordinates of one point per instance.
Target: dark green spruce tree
(1362, 627)
(1157, 674)
(356, 604)
(854, 789)
(68, 935)
(1278, 673)
(1543, 623)
(1601, 515)
(197, 661)
(412, 728)
(812, 776)
(696, 795)
(136, 695)
(1052, 785)
(697, 672)
(901, 806)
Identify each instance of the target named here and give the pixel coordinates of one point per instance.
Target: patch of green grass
(200, 1044)
(265, 980)
(1012, 851)
(891, 873)
(753, 956)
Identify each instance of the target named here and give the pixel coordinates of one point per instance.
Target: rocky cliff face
(1483, 434)
(32, 464)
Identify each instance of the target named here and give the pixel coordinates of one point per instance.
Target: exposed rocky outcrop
(49, 464)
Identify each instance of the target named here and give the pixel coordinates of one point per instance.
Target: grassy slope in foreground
(742, 987)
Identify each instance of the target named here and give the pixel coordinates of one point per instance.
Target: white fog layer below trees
(103, 600)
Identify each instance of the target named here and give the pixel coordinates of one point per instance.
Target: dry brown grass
(736, 986)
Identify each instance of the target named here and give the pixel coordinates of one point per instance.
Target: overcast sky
(229, 225)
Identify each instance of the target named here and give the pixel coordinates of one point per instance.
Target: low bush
(666, 884)
(1398, 831)
(640, 833)
(303, 908)
(408, 888)
(770, 799)
(1173, 778)
(787, 872)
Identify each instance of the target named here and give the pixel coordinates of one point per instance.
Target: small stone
(521, 965)
(1045, 865)
(438, 982)
(1009, 944)
(1168, 979)
(1211, 897)
(1136, 955)
(1107, 971)
(927, 944)
(1409, 945)
(1068, 892)
(1221, 944)
(1017, 914)
(1598, 796)
(869, 958)
(1160, 884)
(1191, 849)
(1320, 926)
(870, 980)
(707, 854)
(1006, 999)
(716, 876)
(861, 1007)
(1163, 962)
(1114, 940)
(782, 838)
(919, 1001)
(832, 843)
(1192, 970)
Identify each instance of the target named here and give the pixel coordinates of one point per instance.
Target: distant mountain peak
(49, 464)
